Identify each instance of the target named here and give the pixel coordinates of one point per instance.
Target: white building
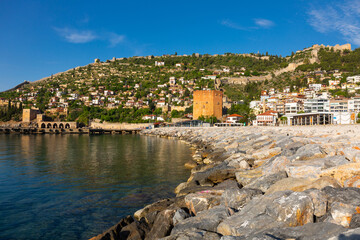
(158, 64)
(339, 105)
(226, 70)
(292, 108)
(353, 79)
(334, 82)
(172, 80)
(234, 118)
(316, 105)
(315, 87)
(268, 118)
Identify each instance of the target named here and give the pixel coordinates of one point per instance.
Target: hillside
(127, 89)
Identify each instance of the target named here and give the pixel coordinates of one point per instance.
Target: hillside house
(353, 79)
(234, 118)
(268, 118)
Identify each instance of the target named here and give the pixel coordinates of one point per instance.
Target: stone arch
(49, 125)
(61, 125)
(55, 125)
(67, 125)
(43, 125)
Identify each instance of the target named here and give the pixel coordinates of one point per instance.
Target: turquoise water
(77, 186)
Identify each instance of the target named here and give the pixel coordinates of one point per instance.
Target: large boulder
(301, 184)
(193, 234)
(266, 153)
(207, 220)
(294, 210)
(180, 215)
(114, 232)
(311, 231)
(265, 182)
(309, 151)
(162, 225)
(352, 234)
(305, 169)
(343, 172)
(342, 213)
(157, 206)
(319, 200)
(237, 198)
(244, 177)
(216, 174)
(200, 201)
(253, 216)
(275, 165)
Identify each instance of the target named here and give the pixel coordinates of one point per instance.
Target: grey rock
(311, 231)
(245, 177)
(252, 216)
(284, 142)
(309, 151)
(353, 234)
(206, 220)
(114, 232)
(355, 221)
(289, 149)
(294, 210)
(193, 234)
(264, 182)
(227, 184)
(180, 215)
(134, 231)
(213, 175)
(349, 196)
(157, 206)
(342, 213)
(197, 202)
(334, 161)
(237, 198)
(319, 200)
(162, 225)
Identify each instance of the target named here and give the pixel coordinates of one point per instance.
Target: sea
(77, 186)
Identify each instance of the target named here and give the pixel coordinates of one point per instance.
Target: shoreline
(247, 183)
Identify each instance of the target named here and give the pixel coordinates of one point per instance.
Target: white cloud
(115, 39)
(259, 22)
(230, 24)
(84, 36)
(264, 23)
(76, 36)
(342, 18)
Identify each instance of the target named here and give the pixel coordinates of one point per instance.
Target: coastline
(247, 183)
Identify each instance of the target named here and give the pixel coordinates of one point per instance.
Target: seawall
(258, 183)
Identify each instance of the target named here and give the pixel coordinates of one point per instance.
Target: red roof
(269, 113)
(235, 115)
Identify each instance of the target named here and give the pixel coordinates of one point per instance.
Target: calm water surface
(74, 187)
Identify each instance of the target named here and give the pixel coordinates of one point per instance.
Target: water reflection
(75, 186)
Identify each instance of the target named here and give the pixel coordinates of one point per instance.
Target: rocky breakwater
(258, 183)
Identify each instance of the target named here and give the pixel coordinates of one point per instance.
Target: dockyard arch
(49, 125)
(43, 125)
(61, 125)
(55, 125)
(67, 125)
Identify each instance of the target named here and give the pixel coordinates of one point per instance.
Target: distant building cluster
(308, 105)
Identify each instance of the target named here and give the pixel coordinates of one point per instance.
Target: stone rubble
(258, 183)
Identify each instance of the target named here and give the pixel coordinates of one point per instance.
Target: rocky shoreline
(258, 183)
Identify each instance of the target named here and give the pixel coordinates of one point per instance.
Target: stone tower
(207, 103)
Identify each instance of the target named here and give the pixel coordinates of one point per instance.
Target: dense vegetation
(11, 112)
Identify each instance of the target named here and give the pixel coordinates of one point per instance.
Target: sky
(40, 38)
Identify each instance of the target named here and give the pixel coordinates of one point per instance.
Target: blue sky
(40, 38)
